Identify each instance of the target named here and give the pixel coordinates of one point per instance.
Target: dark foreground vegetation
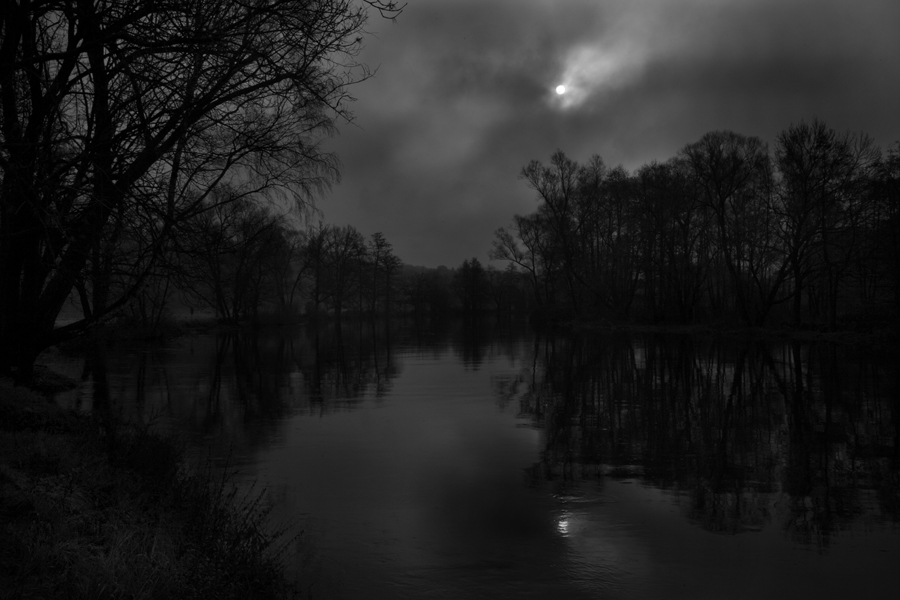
(93, 511)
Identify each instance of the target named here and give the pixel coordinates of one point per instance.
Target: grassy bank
(88, 512)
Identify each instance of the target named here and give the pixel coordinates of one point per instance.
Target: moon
(560, 89)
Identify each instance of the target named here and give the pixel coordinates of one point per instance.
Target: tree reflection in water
(235, 385)
(743, 433)
(805, 434)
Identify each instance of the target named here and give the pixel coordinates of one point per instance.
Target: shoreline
(887, 335)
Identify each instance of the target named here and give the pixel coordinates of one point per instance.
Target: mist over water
(456, 461)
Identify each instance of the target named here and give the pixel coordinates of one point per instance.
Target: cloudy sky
(464, 96)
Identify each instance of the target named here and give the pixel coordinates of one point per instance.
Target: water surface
(452, 461)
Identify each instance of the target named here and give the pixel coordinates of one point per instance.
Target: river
(491, 461)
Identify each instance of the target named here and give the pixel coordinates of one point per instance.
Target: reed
(95, 512)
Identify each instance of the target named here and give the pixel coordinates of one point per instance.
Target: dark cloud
(463, 98)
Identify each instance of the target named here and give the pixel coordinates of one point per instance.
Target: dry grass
(88, 514)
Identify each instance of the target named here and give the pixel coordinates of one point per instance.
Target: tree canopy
(121, 119)
(726, 231)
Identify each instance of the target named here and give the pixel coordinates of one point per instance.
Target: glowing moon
(560, 89)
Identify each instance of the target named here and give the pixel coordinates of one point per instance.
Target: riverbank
(887, 334)
(90, 509)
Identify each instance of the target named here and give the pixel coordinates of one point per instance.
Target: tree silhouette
(735, 179)
(823, 176)
(724, 231)
(127, 115)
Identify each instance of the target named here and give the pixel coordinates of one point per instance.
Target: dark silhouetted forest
(727, 232)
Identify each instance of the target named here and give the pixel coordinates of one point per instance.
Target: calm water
(494, 462)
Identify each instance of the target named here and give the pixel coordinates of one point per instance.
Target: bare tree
(317, 258)
(526, 246)
(557, 188)
(677, 240)
(735, 179)
(823, 180)
(383, 265)
(229, 259)
(289, 268)
(888, 226)
(348, 248)
(123, 113)
(471, 284)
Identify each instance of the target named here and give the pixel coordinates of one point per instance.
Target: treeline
(244, 261)
(727, 231)
(468, 290)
